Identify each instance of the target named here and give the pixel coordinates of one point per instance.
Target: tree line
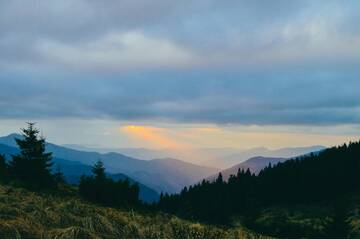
(101, 189)
(33, 167)
(315, 178)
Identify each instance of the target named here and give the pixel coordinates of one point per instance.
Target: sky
(180, 74)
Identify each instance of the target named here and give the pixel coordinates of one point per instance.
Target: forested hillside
(326, 181)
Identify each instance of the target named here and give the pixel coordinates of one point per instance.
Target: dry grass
(25, 214)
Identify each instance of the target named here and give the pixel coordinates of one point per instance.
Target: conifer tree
(219, 179)
(32, 165)
(99, 171)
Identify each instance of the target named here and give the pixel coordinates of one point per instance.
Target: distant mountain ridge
(200, 155)
(163, 175)
(233, 159)
(211, 157)
(256, 164)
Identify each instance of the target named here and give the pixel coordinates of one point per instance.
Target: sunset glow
(157, 137)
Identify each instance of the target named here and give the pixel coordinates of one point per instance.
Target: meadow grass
(30, 215)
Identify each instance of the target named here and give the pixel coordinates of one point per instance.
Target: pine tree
(32, 165)
(99, 171)
(219, 179)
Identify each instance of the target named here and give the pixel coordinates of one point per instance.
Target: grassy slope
(25, 214)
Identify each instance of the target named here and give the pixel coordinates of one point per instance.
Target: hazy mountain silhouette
(239, 157)
(168, 175)
(199, 155)
(255, 164)
(211, 157)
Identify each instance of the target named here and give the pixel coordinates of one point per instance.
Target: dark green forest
(329, 178)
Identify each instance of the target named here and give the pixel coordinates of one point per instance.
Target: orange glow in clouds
(158, 137)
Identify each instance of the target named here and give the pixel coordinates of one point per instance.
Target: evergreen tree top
(99, 170)
(33, 164)
(32, 146)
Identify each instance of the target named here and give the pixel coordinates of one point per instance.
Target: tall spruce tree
(32, 165)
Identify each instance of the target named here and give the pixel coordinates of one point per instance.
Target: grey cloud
(199, 97)
(72, 34)
(273, 62)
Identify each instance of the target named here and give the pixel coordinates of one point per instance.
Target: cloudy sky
(164, 73)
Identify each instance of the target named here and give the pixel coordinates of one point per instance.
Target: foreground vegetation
(63, 215)
(25, 214)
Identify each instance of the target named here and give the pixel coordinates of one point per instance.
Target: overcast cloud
(223, 62)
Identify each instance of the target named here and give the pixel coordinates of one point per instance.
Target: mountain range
(162, 175)
(199, 155)
(211, 157)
